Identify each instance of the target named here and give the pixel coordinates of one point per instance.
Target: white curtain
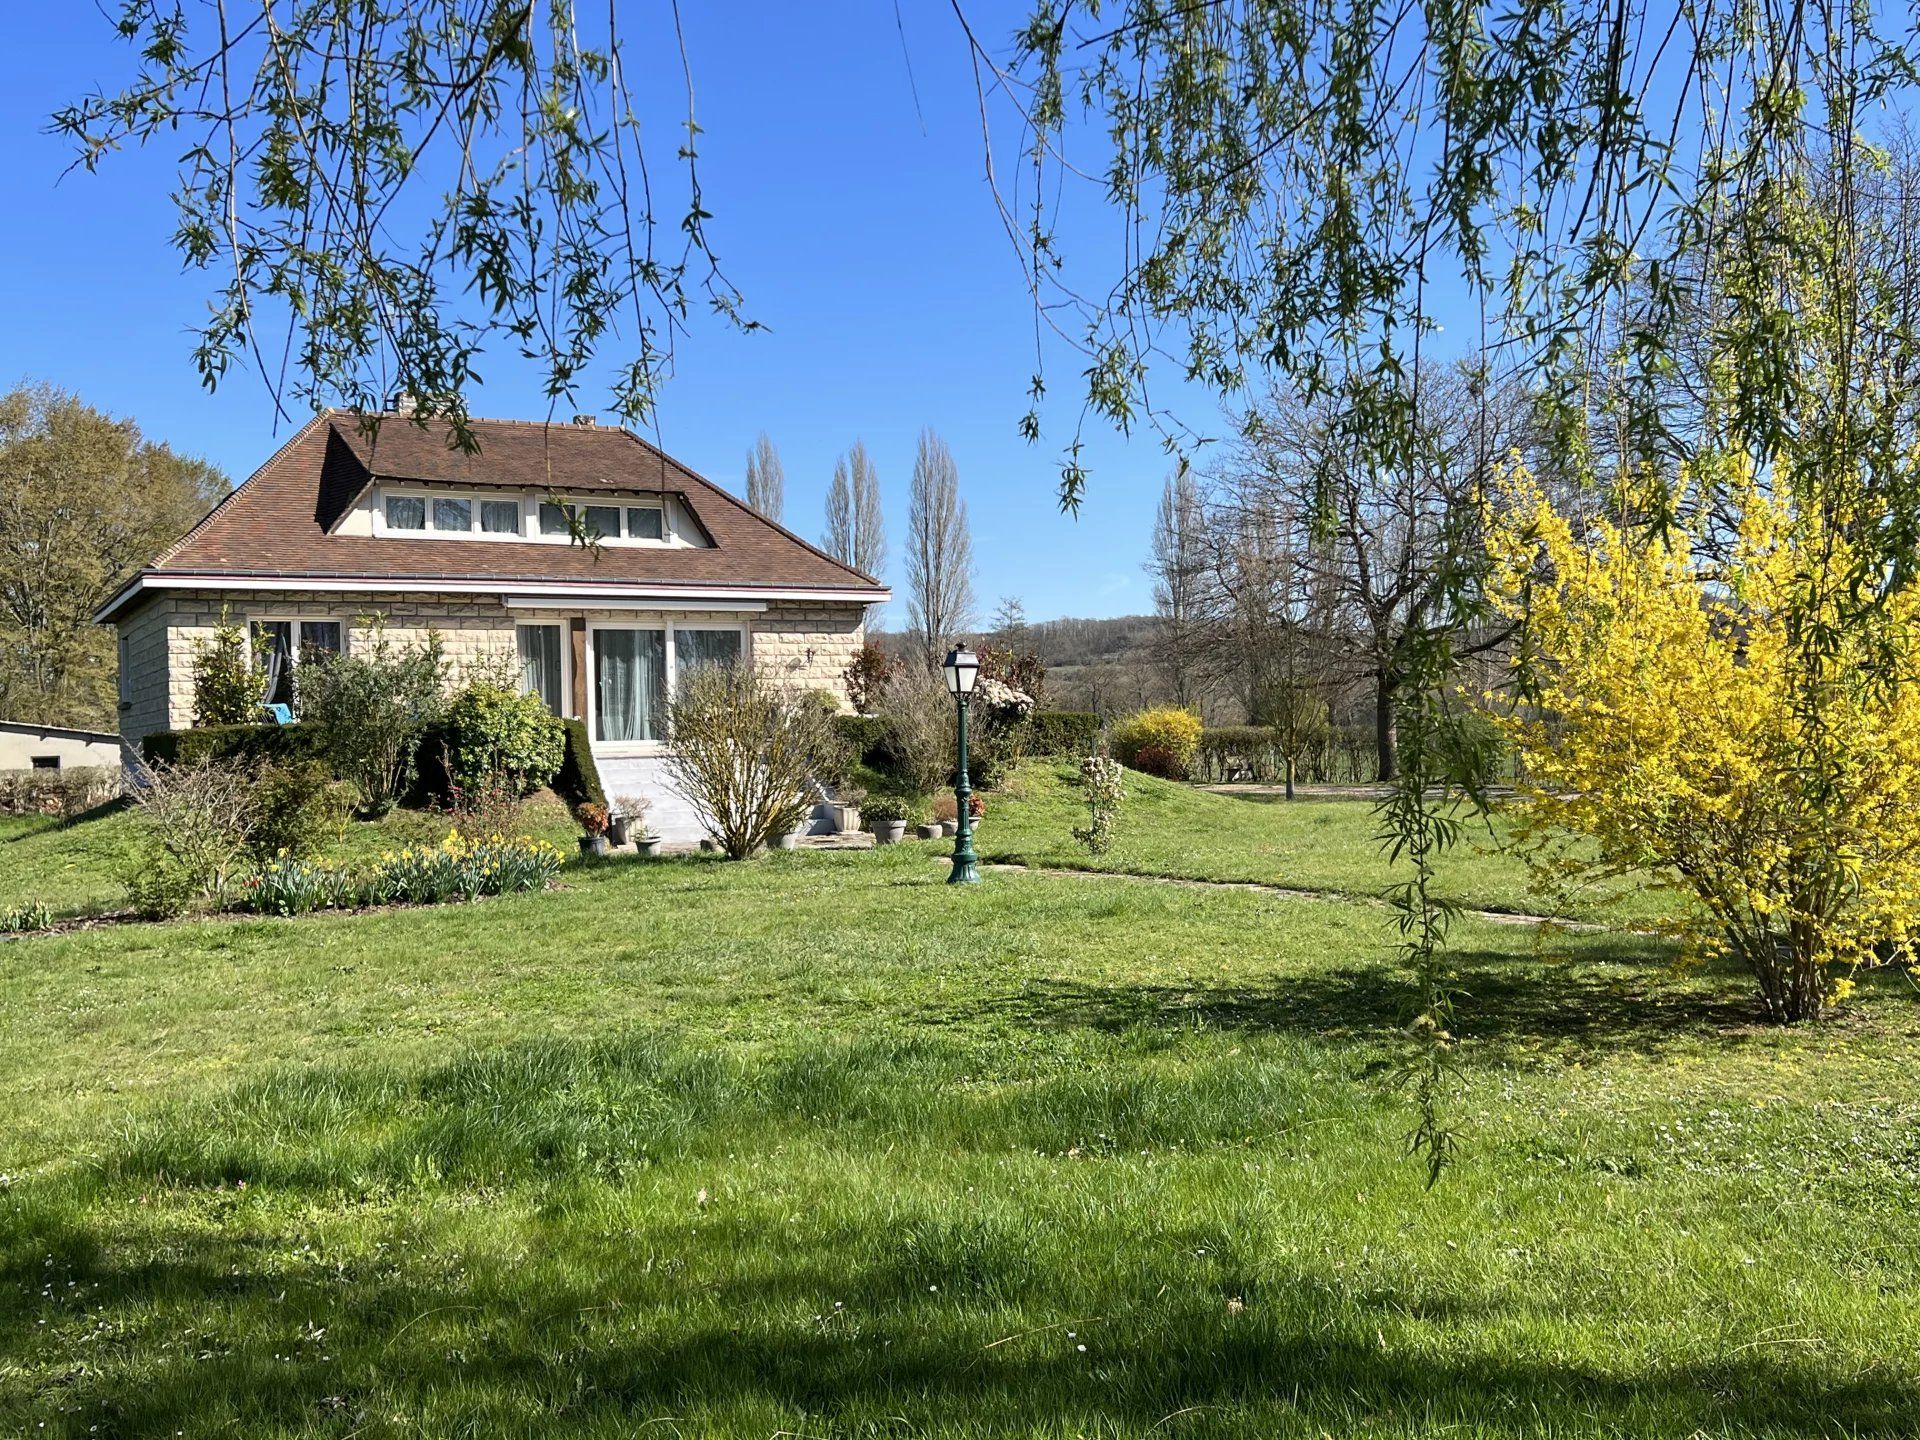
(630, 682)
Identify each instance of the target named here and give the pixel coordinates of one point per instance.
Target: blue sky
(858, 224)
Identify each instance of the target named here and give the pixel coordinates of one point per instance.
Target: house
(26, 746)
(349, 521)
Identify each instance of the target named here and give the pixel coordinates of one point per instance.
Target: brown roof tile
(277, 523)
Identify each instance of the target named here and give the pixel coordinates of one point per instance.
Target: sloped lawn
(817, 1146)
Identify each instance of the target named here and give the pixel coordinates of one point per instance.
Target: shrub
(1167, 729)
(921, 742)
(498, 738)
(295, 808)
(865, 737)
(191, 822)
(745, 754)
(593, 818)
(248, 744)
(579, 778)
(371, 708)
(866, 676)
(1104, 780)
(1062, 732)
(228, 687)
(57, 792)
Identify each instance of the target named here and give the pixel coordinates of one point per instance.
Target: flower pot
(647, 844)
(949, 828)
(846, 818)
(926, 832)
(618, 829)
(594, 845)
(790, 840)
(889, 832)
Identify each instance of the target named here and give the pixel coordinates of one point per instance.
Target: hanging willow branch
(1306, 189)
(380, 189)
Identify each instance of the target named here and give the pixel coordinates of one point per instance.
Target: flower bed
(459, 868)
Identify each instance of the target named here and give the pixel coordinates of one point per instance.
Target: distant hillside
(1100, 665)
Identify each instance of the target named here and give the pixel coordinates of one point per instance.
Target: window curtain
(539, 647)
(630, 683)
(705, 647)
(273, 652)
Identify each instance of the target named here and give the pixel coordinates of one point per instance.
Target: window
(406, 512)
(454, 515)
(646, 522)
(539, 647)
(553, 519)
(125, 682)
(630, 684)
(602, 522)
(44, 762)
(692, 648)
(273, 649)
(500, 517)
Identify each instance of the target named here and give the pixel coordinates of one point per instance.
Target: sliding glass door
(629, 685)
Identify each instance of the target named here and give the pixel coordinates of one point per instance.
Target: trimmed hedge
(866, 737)
(1062, 732)
(253, 743)
(578, 782)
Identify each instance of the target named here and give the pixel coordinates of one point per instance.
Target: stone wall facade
(807, 645)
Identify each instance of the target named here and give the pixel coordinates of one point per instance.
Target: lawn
(816, 1146)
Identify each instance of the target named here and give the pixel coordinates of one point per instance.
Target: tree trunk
(1386, 761)
(1289, 777)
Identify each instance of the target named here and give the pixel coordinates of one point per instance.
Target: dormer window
(527, 516)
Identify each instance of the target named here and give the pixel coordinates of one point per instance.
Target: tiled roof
(277, 523)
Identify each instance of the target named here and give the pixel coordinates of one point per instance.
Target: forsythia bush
(1161, 741)
(1720, 724)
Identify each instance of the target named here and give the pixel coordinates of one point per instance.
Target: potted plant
(945, 815)
(887, 818)
(628, 818)
(845, 809)
(593, 821)
(976, 810)
(647, 844)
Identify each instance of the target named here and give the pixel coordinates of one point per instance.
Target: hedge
(578, 782)
(231, 742)
(1062, 732)
(866, 737)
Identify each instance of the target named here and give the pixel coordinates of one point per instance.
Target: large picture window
(540, 672)
(630, 685)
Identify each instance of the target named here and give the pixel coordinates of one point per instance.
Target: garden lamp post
(962, 668)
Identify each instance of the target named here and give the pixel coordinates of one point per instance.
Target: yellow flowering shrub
(1162, 740)
(1726, 725)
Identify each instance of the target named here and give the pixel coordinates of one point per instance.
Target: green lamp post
(962, 668)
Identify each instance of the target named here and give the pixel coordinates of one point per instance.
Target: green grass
(818, 1146)
(1176, 831)
(79, 868)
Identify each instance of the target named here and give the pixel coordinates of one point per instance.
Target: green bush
(883, 809)
(1062, 732)
(228, 687)
(246, 744)
(501, 738)
(372, 708)
(295, 808)
(866, 737)
(578, 780)
(1164, 737)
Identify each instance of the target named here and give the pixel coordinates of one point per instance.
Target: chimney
(404, 403)
(586, 422)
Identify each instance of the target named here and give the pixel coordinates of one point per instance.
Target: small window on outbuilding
(46, 762)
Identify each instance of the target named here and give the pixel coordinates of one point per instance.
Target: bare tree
(939, 552)
(1372, 543)
(1179, 569)
(766, 478)
(856, 527)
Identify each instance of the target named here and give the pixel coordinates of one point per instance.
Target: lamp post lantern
(962, 668)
